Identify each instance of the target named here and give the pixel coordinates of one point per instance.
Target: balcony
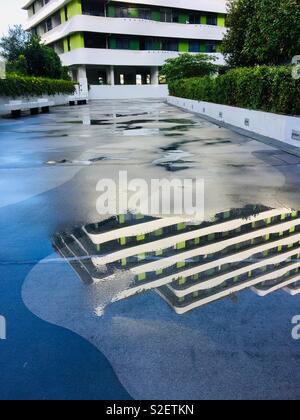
(138, 27)
(107, 57)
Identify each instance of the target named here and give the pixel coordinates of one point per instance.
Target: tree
(189, 65)
(42, 61)
(262, 32)
(13, 44)
(27, 55)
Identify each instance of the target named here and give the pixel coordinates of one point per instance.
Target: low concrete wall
(128, 92)
(273, 126)
(57, 99)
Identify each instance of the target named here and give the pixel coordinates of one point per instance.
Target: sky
(13, 14)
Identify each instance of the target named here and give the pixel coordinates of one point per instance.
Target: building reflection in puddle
(188, 264)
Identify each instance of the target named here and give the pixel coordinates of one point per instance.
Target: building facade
(126, 42)
(191, 265)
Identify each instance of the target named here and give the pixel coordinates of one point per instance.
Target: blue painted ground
(39, 360)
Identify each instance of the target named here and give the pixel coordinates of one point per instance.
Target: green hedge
(271, 89)
(15, 86)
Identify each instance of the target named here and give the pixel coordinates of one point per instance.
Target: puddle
(174, 160)
(189, 264)
(83, 162)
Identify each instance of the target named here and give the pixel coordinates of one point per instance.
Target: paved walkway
(56, 346)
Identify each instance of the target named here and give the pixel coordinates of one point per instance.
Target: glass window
(212, 19)
(194, 46)
(145, 14)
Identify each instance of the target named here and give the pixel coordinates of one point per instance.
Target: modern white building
(125, 42)
(190, 265)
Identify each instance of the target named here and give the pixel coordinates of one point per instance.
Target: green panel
(202, 47)
(181, 264)
(219, 47)
(221, 20)
(183, 46)
(77, 41)
(182, 281)
(203, 20)
(183, 18)
(142, 277)
(62, 15)
(121, 218)
(74, 8)
(181, 245)
(133, 12)
(111, 11)
(181, 226)
(134, 44)
(113, 46)
(155, 15)
(66, 45)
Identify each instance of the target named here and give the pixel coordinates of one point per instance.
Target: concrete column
(111, 75)
(82, 80)
(154, 76)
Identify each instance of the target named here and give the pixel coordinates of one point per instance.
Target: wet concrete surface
(49, 168)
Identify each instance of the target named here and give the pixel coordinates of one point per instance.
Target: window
(195, 19)
(49, 26)
(194, 46)
(212, 19)
(145, 14)
(66, 13)
(175, 16)
(123, 43)
(69, 43)
(166, 15)
(211, 47)
(122, 12)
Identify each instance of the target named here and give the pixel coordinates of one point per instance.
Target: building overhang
(136, 27)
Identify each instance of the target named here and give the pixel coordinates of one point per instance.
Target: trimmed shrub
(23, 86)
(270, 89)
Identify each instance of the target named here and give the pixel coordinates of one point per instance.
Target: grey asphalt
(57, 347)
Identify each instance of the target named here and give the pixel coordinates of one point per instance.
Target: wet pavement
(65, 337)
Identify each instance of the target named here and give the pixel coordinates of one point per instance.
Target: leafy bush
(188, 65)
(262, 32)
(16, 86)
(26, 55)
(270, 89)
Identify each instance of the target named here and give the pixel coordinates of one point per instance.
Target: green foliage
(270, 89)
(27, 56)
(262, 32)
(16, 86)
(187, 66)
(13, 44)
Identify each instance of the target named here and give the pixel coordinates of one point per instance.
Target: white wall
(279, 127)
(218, 6)
(98, 57)
(128, 92)
(82, 23)
(57, 99)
